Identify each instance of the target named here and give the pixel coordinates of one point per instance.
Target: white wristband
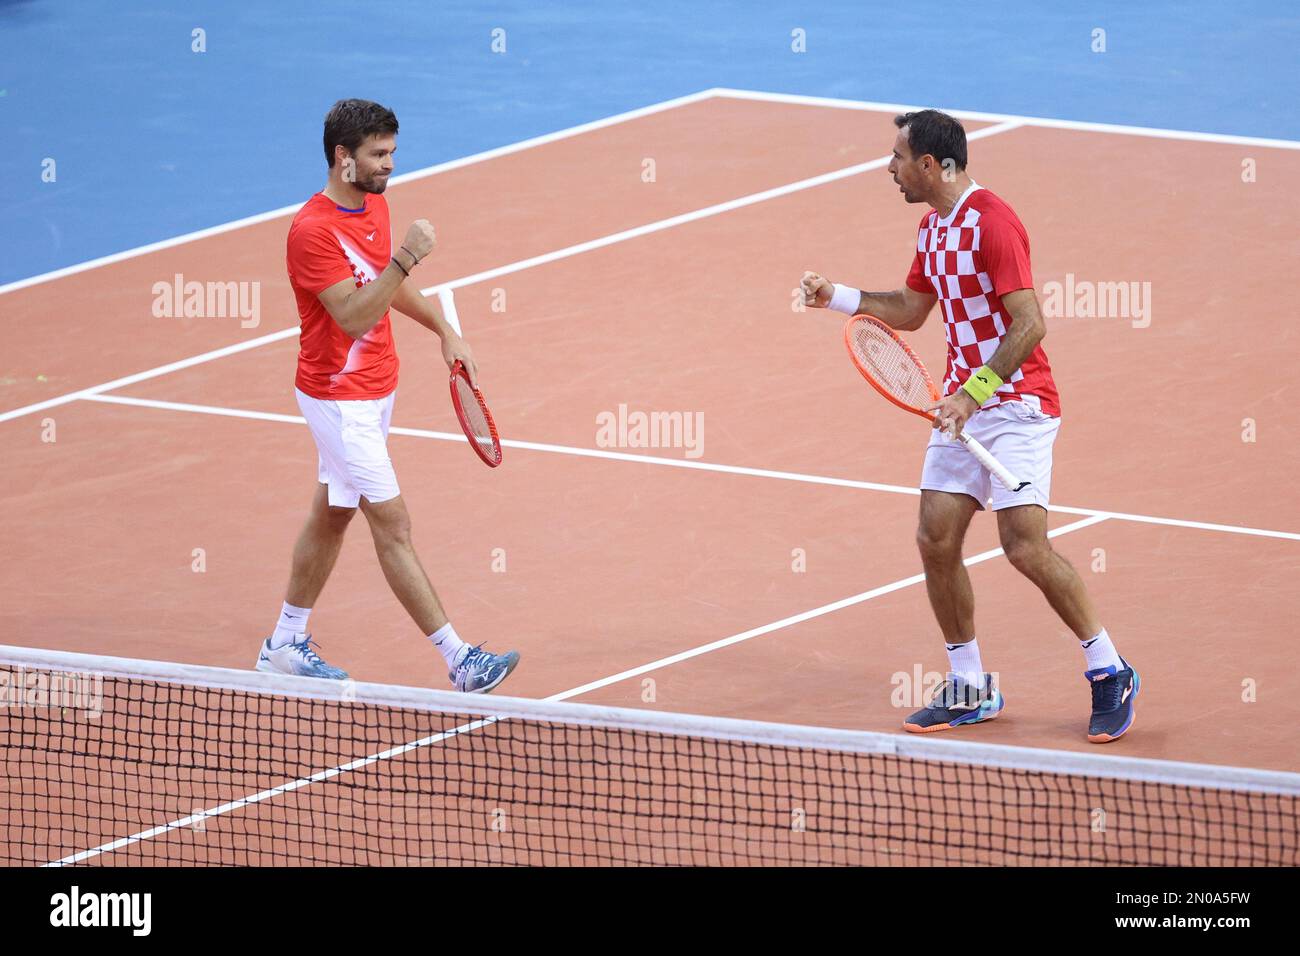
(846, 299)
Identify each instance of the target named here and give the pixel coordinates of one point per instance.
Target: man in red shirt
(345, 276)
(972, 256)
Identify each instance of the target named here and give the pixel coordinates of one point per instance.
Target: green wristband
(982, 384)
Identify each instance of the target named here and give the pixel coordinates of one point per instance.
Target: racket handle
(1009, 481)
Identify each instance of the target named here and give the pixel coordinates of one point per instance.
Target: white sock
(291, 627)
(1099, 652)
(449, 645)
(964, 661)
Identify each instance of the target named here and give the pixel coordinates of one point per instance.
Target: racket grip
(1009, 481)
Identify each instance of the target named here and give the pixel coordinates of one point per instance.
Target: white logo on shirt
(371, 237)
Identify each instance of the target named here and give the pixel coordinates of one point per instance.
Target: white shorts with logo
(1017, 435)
(352, 442)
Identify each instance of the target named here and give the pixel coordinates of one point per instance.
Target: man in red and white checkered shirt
(975, 318)
(972, 257)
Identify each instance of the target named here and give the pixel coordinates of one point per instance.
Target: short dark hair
(349, 122)
(936, 133)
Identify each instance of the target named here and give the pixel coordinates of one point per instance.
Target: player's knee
(392, 524)
(937, 545)
(1027, 555)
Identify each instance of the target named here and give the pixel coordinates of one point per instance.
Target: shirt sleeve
(916, 278)
(316, 260)
(1004, 256)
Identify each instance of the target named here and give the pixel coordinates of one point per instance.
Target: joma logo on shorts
(75, 908)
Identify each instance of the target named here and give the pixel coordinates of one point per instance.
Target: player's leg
(390, 526)
(317, 549)
(1023, 533)
(1022, 438)
(1114, 682)
(469, 668)
(968, 694)
(289, 649)
(940, 533)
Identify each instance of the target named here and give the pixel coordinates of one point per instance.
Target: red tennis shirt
(328, 244)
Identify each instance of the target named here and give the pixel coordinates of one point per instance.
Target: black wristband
(415, 260)
(399, 265)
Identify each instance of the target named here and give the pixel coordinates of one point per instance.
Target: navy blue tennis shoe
(1114, 689)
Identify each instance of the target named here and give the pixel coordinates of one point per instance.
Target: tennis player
(346, 276)
(972, 255)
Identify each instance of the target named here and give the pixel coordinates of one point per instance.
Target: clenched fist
(419, 238)
(817, 290)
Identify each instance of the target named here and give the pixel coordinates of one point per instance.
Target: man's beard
(374, 184)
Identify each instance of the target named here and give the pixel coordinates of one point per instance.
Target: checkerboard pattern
(950, 259)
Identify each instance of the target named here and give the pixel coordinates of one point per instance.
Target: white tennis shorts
(1017, 435)
(352, 446)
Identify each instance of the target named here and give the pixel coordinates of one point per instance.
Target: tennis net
(123, 762)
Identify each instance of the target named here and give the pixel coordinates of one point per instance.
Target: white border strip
(682, 463)
(1046, 122)
(760, 732)
(404, 177)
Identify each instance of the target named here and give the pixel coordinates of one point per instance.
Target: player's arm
(1027, 329)
(903, 309)
(358, 310)
(428, 312)
(1004, 256)
(409, 301)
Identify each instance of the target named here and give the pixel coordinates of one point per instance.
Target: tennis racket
(475, 419)
(893, 369)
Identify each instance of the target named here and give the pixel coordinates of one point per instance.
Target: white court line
(716, 92)
(685, 463)
(1040, 121)
(201, 815)
(444, 289)
(149, 373)
(404, 177)
(290, 786)
(693, 216)
(800, 618)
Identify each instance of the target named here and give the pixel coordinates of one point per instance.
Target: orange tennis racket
(475, 419)
(893, 370)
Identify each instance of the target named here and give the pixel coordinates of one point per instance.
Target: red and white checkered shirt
(970, 259)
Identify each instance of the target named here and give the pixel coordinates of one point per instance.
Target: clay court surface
(623, 565)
